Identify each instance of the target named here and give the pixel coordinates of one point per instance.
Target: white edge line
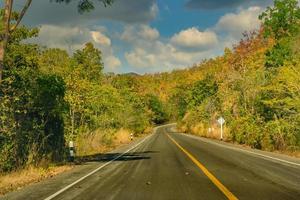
(91, 173)
(243, 150)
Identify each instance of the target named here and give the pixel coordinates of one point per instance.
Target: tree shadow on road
(106, 157)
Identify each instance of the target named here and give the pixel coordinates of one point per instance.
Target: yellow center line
(215, 181)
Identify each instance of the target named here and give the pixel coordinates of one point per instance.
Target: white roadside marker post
(72, 151)
(221, 121)
(131, 136)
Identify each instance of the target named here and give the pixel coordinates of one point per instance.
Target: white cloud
(100, 38)
(68, 38)
(149, 52)
(148, 33)
(188, 46)
(132, 33)
(158, 56)
(112, 63)
(235, 24)
(135, 59)
(153, 11)
(231, 26)
(127, 34)
(74, 38)
(193, 38)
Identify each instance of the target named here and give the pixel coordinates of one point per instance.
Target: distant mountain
(131, 74)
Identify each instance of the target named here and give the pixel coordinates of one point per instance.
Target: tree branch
(7, 16)
(21, 15)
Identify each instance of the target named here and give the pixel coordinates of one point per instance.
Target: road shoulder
(273, 156)
(49, 186)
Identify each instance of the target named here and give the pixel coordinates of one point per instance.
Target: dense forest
(49, 97)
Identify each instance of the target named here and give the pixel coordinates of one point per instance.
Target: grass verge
(18, 179)
(214, 133)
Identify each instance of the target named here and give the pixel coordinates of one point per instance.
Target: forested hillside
(254, 86)
(49, 97)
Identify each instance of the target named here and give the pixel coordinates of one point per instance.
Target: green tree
(281, 22)
(31, 107)
(89, 60)
(203, 89)
(180, 98)
(155, 105)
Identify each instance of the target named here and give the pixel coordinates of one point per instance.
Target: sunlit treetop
(282, 20)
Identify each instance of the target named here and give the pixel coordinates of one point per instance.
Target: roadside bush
(31, 118)
(282, 134)
(247, 130)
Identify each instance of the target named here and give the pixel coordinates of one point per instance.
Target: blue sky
(147, 36)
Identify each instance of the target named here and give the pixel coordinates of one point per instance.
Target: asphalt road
(169, 165)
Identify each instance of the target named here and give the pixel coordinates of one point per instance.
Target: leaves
(281, 22)
(87, 5)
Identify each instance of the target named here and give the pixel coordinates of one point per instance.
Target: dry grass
(296, 46)
(91, 143)
(183, 128)
(202, 130)
(148, 130)
(18, 179)
(122, 137)
(295, 154)
(101, 141)
(198, 129)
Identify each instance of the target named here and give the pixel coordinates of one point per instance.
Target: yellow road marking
(217, 183)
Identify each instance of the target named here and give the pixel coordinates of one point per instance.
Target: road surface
(169, 165)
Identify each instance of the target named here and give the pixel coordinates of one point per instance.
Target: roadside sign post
(221, 121)
(221, 131)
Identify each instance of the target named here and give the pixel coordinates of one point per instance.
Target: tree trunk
(72, 123)
(1, 60)
(4, 35)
